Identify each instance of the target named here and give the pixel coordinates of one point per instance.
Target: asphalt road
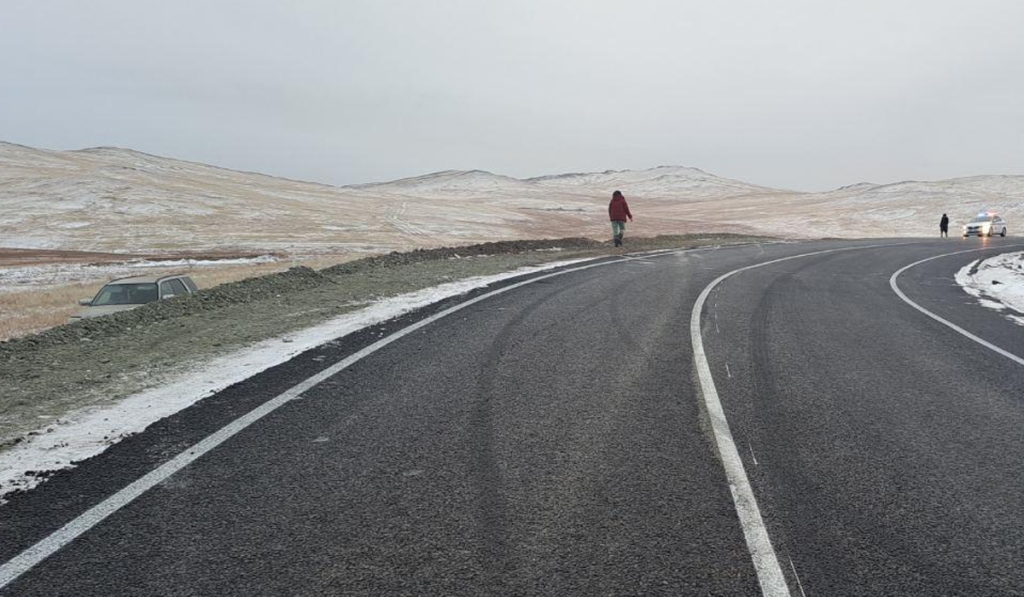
(553, 440)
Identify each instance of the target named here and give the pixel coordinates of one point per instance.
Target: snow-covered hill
(109, 199)
(661, 182)
(120, 200)
(913, 208)
(456, 182)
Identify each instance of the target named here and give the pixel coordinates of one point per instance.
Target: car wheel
(1003, 233)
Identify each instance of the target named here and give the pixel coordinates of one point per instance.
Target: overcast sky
(799, 94)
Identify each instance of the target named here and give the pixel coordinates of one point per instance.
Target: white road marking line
(799, 584)
(46, 547)
(766, 563)
(892, 283)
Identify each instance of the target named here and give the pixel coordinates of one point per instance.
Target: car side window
(165, 289)
(177, 288)
(189, 283)
(112, 295)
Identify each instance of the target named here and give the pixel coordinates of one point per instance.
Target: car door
(171, 288)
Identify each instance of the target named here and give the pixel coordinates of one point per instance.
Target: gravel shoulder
(100, 361)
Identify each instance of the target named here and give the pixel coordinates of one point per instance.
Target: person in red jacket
(618, 211)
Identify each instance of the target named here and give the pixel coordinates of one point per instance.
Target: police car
(985, 224)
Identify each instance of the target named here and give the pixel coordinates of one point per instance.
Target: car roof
(144, 279)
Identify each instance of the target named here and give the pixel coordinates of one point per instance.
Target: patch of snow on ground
(88, 432)
(202, 262)
(34, 277)
(997, 283)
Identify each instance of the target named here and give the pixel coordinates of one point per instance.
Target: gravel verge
(99, 361)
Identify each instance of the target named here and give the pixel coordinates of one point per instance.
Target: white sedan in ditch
(129, 293)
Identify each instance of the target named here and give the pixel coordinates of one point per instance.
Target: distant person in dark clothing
(618, 211)
(944, 226)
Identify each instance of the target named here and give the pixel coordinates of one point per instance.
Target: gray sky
(800, 94)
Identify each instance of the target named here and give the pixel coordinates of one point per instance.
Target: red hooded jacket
(618, 210)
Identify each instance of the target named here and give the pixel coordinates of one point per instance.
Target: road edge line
(766, 562)
(895, 288)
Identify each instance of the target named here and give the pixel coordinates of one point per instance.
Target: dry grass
(31, 311)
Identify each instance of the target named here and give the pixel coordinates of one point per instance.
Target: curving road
(553, 438)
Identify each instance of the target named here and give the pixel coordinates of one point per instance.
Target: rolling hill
(110, 199)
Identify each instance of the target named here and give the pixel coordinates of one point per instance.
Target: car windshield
(126, 294)
(981, 219)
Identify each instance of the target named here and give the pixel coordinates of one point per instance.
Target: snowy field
(36, 277)
(117, 200)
